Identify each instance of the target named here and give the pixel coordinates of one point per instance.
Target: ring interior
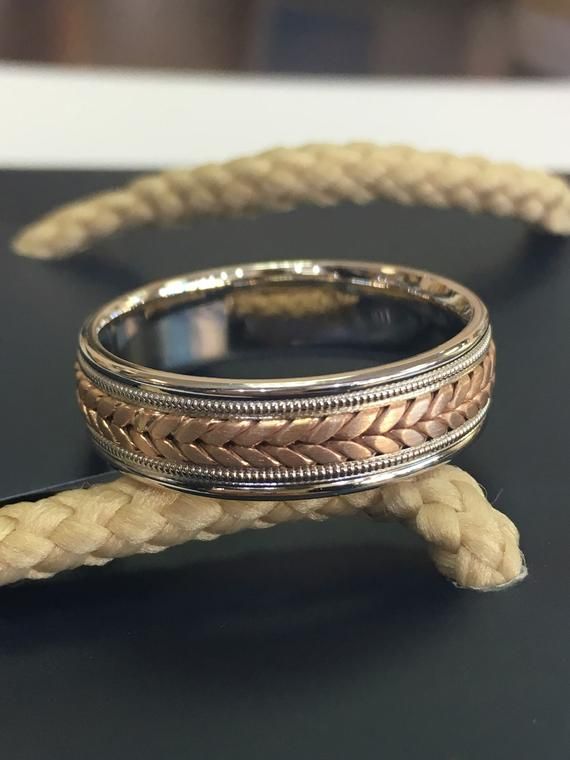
(284, 329)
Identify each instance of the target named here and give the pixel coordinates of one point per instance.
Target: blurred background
(485, 38)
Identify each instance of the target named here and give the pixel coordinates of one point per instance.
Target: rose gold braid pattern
(260, 443)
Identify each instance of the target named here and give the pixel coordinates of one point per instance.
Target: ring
(382, 371)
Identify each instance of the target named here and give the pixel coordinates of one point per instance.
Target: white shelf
(57, 117)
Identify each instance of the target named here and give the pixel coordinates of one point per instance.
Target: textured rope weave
(324, 175)
(470, 542)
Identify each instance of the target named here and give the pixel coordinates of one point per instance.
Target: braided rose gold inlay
(329, 439)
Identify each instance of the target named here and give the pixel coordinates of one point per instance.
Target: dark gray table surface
(336, 640)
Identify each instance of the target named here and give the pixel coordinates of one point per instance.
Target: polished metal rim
(338, 402)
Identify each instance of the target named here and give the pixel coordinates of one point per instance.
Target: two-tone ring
(161, 377)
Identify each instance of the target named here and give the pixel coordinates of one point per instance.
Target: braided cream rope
(471, 542)
(324, 175)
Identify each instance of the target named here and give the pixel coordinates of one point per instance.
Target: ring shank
(288, 436)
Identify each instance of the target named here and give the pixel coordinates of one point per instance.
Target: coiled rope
(323, 175)
(470, 541)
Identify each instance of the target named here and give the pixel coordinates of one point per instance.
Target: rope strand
(323, 175)
(470, 542)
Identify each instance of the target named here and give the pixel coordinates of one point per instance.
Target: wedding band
(413, 365)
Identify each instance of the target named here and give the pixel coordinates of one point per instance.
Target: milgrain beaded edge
(337, 403)
(222, 476)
